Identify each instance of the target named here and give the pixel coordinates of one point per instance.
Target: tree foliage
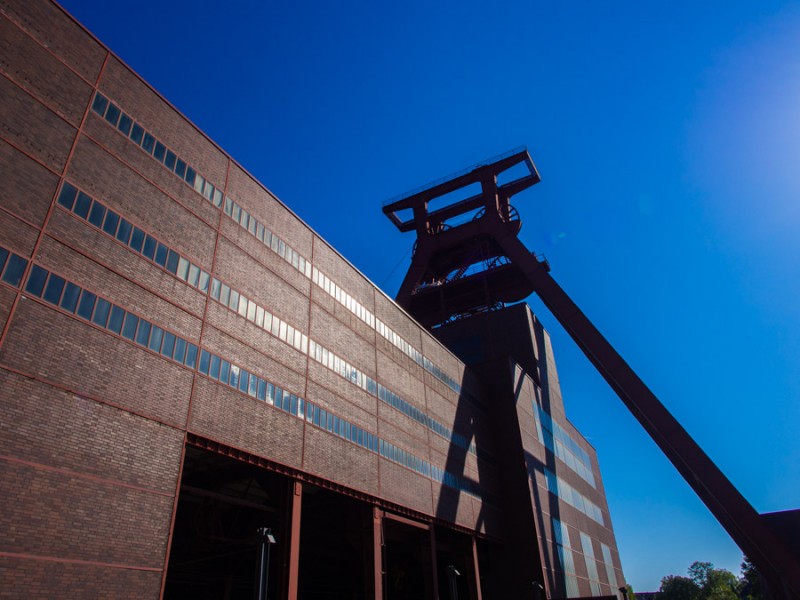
(704, 582)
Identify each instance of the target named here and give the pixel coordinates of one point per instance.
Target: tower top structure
(459, 265)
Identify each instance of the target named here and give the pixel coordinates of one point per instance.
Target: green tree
(699, 571)
(703, 583)
(675, 587)
(751, 586)
(720, 584)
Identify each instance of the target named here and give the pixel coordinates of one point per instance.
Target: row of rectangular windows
(95, 309)
(105, 219)
(112, 113)
(560, 488)
(266, 237)
(367, 383)
(556, 439)
(142, 138)
(12, 267)
(241, 216)
(97, 214)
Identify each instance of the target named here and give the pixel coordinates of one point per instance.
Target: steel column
(377, 551)
(295, 508)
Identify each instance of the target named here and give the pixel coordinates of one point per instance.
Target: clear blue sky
(667, 135)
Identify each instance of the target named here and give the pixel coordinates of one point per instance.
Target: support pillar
(292, 563)
(377, 552)
(475, 571)
(434, 566)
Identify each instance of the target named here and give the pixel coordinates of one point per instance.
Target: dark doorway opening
(335, 547)
(408, 563)
(221, 505)
(453, 564)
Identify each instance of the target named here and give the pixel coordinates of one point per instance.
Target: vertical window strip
(609, 564)
(566, 558)
(591, 563)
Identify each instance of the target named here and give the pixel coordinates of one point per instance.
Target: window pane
(101, 312)
(168, 347)
(100, 104)
(159, 152)
(82, 205)
(86, 305)
(172, 262)
(156, 337)
(225, 295)
(54, 288)
(170, 159)
(66, 197)
(14, 270)
(129, 329)
(36, 280)
(202, 285)
(234, 376)
(244, 380)
(213, 369)
(148, 142)
(234, 302)
(180, 349)
(124, 231)
(262, 389)
(111, 223)
(224, 371)
(137, 239)
(137, 133)
(205, 359)
(180, 168)
(190, 175)
(115, 320)
(96, 214)
(70, 298)
(183, 268)
(143, 333)
(112, 114)
(194, 275)
(191, 356)
(161, 255)
(149, 249)
(125, 123)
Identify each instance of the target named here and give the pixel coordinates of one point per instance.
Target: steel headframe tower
(460, 269)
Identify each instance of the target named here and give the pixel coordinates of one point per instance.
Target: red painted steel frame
(773, 559)
(768, 552)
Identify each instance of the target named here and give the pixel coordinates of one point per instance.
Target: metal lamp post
(265, 540)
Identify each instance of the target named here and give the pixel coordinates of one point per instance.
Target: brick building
(183, 360)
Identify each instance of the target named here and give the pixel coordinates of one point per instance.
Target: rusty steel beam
(431, 300)
(295, 507)
(747, 528)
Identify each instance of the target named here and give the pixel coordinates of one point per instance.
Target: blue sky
(667, 136)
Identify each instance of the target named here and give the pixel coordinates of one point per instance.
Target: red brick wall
(93, 426)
